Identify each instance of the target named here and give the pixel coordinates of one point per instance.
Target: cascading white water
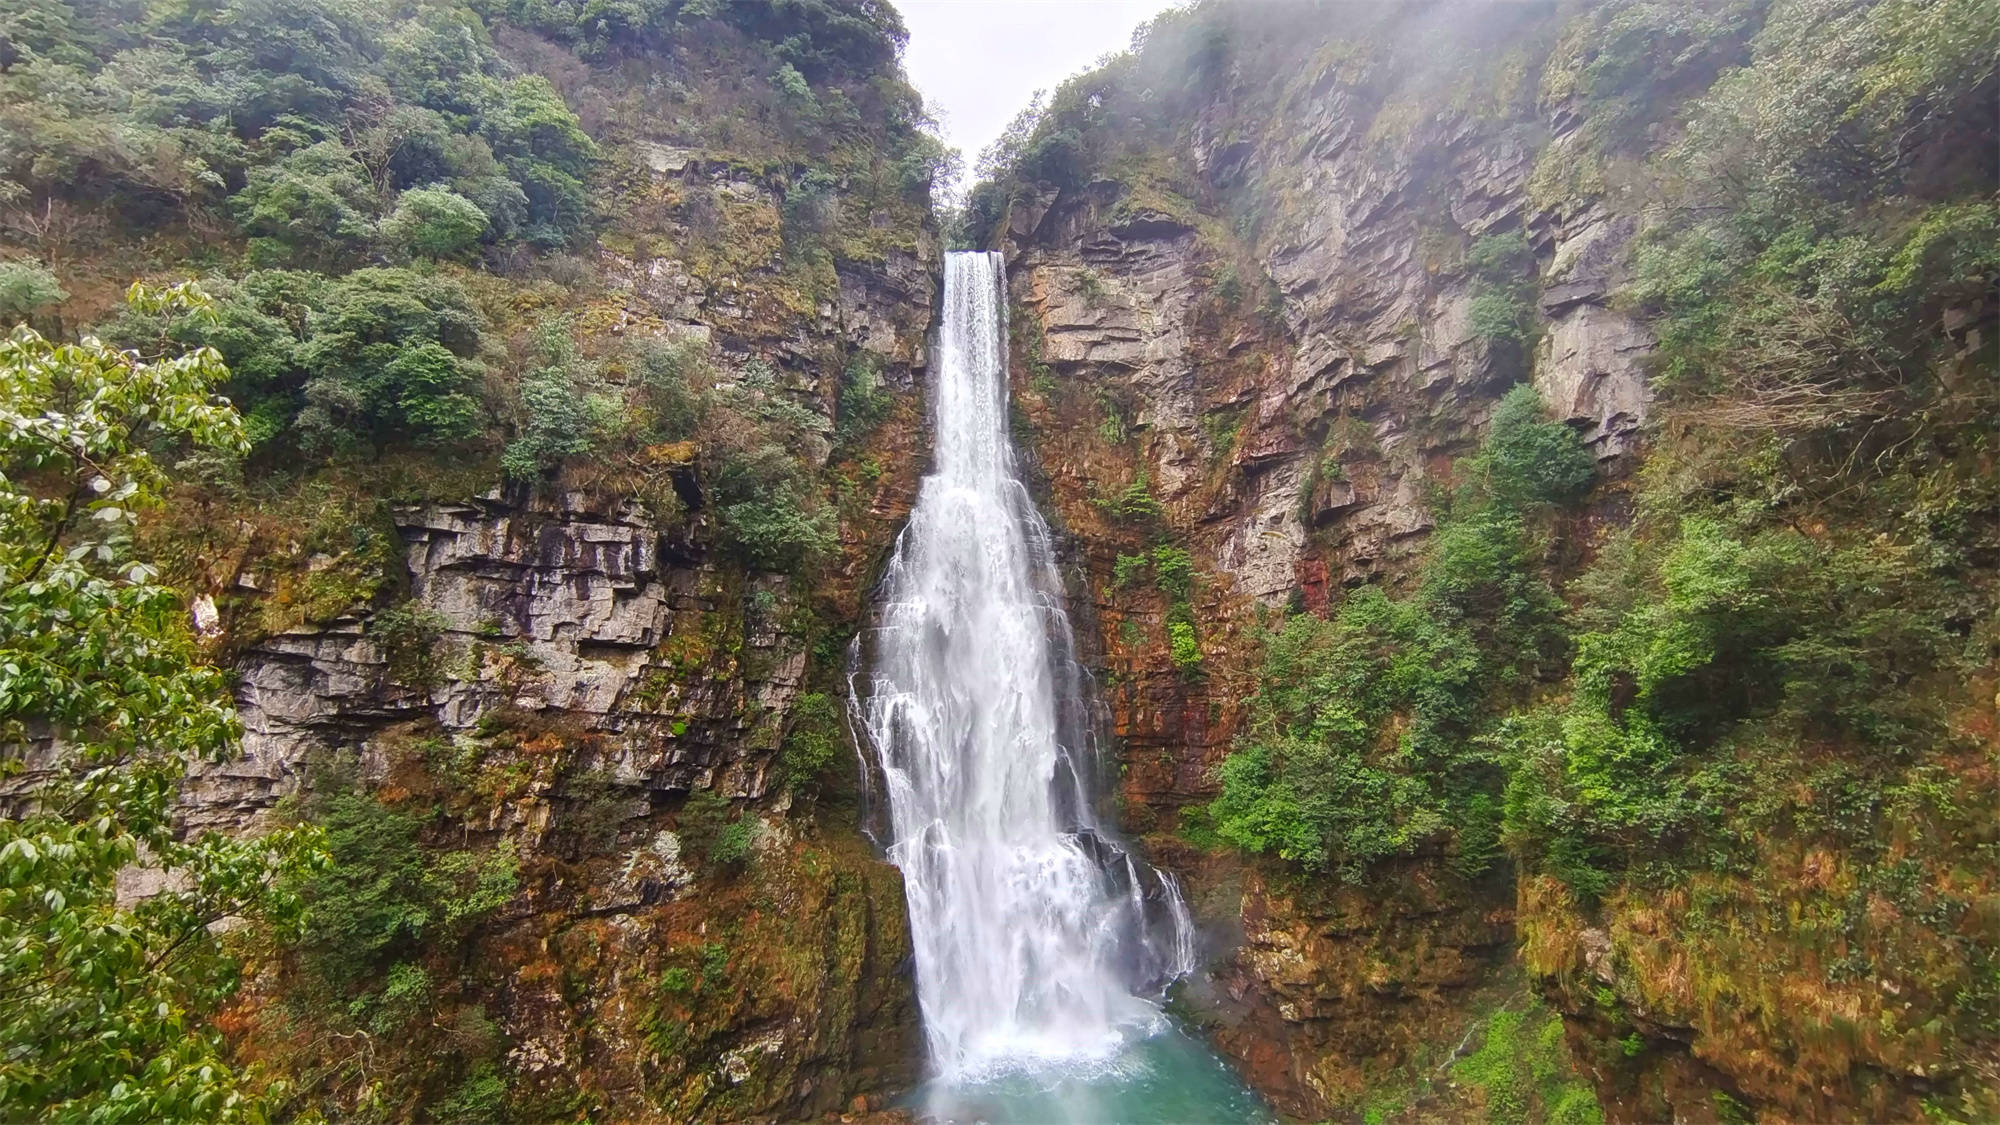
(1037, 937)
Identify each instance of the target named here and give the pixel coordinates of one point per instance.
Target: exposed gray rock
(558, 610)
(1591, 372)
(1363, 238)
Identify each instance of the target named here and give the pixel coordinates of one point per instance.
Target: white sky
(978, 61)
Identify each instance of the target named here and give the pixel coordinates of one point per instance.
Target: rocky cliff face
(580, 675)
(579, 669)
(1269, 282)
(1295, 427)
(569, 670)
(1260, 322)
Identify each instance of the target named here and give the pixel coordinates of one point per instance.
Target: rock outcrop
(1293, 393)
(554, 672)
(591, 616)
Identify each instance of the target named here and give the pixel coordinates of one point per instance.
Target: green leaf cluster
(1364, 739)
(708, 832)
(1501, 270)
(566, 409)
(385, 900)
(814, 743)
(26, 288)
(105, 702)
(1523, 1072)
(327, 132)
(864, 400)
(375, 357)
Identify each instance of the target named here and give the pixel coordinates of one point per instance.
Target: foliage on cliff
(391, 210)
(1367, 739)
(1740, 757)
(454, 251)
(105, 701)
(1780, 656)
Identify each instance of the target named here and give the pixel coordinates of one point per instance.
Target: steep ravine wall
(1318, 989)
(1235, 420)
(580, 681)
(589, 669)
(1254, 335)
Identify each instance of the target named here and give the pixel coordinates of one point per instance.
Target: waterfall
(1038, 938)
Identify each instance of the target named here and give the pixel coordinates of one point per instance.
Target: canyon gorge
(1395, 562)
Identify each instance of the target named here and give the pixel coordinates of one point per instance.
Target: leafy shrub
(1136, 504)
(481, 1098)
(314, 205)
(544, 150)
(1126, 569)
(668, 375)
(864, 401)
(1500, 318)
(1313, 782)
(1183, 645)
(778, 532)
(385, 898)
(566, 408)
(719, 843)
(811, 208)
(1524, 1073)
(732, 845)
(814, 742)
(388, 358)
(1112, 427)
(409, 635)
(434, 222)
(1173, 573)
(1502, 310)
(1530, 460)
(1367, 737)
(26, 289)
(796, 89)
(1739, 644)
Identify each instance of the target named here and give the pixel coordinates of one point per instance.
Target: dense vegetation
(416, 229)
(1746, 732)
(109, 704)
(387, 206)
(1368, 737)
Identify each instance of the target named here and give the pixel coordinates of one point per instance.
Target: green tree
(105, 702)
(1530, 460)
(390, 358)
(435, 222)
(26, 289)
(813, 744)
(1366, 738)
(565, 407)
(545, 150)
(316, 204)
